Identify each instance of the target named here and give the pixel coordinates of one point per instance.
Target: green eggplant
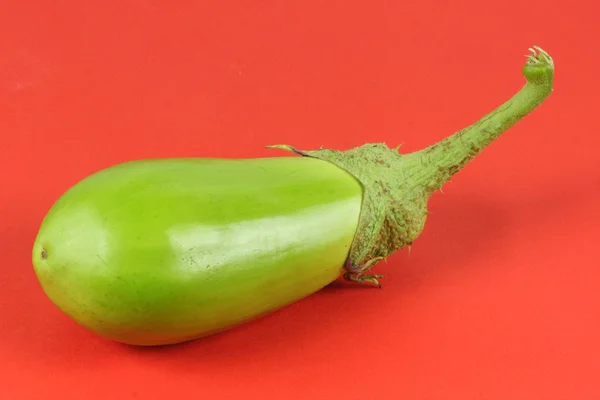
(162, 251)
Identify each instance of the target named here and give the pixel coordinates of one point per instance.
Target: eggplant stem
(397, 187)
(436, 164)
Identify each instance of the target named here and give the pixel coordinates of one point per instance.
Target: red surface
(499, 297)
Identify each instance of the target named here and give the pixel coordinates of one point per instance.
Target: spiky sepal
(393, 210)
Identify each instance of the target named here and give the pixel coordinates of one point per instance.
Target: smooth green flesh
(163, 251)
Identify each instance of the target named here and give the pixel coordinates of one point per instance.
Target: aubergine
(162, 251)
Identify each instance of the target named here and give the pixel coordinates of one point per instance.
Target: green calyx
(398, 186)
(393, 207)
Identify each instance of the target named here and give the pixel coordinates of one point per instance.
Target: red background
(498, 298)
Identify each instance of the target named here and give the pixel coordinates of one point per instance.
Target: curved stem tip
(440, 161)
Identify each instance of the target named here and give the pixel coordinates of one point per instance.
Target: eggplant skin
(155, 252)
